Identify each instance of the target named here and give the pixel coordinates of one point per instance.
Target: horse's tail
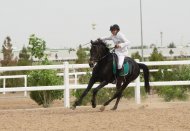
(146, 76)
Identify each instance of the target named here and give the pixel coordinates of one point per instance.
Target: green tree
(171, 45)
(24, 57)
(43, 77)
(82, 55)
(180, 73)
(156, 56)
(8, 53)
(174, 92)
(24, 60)
(37, 47)
(171, 52)
(136, 55)
(70, 49)
(8, 60)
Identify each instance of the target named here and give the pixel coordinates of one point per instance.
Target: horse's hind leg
(120, 94)
(116, 103)
(116, 95)
(107, 102)
(118, 86)
(95, 91)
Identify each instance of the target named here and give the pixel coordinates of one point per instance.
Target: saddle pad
(124, 71)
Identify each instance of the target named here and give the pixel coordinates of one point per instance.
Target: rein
(111, 51)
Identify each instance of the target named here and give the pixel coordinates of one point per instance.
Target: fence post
(75, 79)
(66, 85)
(25, 85)
(4, 84)
(137, 89)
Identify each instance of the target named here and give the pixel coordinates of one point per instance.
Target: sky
(68, 23)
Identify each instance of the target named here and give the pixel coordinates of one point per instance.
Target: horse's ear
(99, 40)
(91, 42)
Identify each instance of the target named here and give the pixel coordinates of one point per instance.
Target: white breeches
(121, 57)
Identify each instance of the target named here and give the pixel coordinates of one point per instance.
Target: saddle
(126, 68)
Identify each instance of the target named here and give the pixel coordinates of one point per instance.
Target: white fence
(14, 76)
(67, 86)
(75, 74)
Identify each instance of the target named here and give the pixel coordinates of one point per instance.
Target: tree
(43, 77)
(37, 47)
(136, 55)
(82, 55)
(156, 56)
(171, 52)
(7, 53)
(171, 45)
(8, 61)
(139, 47)
(71, 49)
(174, 92)
(152, 45)
(24, 60)
(24, 57)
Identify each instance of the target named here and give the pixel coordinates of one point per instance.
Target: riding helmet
(114, 27)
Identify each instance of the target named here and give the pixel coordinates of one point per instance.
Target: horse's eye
(91, 52)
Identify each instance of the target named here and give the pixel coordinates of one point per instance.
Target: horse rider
(121, 44)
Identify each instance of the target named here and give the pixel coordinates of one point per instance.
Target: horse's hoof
(102, 108)
(93, 104)
(73, 107)
(114, 108)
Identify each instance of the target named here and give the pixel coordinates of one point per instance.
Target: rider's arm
(125, 41)
(106, 38)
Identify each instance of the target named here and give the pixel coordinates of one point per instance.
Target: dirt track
(24, 115)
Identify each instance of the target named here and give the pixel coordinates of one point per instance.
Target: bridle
(99, 57)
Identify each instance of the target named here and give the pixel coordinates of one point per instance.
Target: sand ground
(22, 114)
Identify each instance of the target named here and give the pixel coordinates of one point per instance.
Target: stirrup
(119, 71)
(114, 81)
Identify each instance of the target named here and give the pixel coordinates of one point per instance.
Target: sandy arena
(22, 114)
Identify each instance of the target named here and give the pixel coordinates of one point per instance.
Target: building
(60, 55)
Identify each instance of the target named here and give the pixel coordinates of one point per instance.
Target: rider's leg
(120, 61)
(121, 58)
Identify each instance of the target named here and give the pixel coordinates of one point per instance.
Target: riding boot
(119, 71)
(114, 81)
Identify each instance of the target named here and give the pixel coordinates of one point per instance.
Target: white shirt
(119, 39)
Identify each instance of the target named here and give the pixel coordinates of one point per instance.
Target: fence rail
(67, 86)
(14, 76)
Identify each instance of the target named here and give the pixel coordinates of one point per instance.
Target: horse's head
(97, 52)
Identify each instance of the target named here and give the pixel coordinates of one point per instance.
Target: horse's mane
(100, 42)
(103, 43)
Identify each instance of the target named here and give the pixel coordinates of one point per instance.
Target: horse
(101, 60)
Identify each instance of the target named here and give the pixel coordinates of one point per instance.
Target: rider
(121, 44)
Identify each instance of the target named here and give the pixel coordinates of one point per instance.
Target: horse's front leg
(79, 101)
(95, 91)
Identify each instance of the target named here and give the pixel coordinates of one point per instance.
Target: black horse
(103, 73)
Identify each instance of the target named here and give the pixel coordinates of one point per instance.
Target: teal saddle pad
(125, 68)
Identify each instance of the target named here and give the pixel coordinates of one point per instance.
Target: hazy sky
(67, 23)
